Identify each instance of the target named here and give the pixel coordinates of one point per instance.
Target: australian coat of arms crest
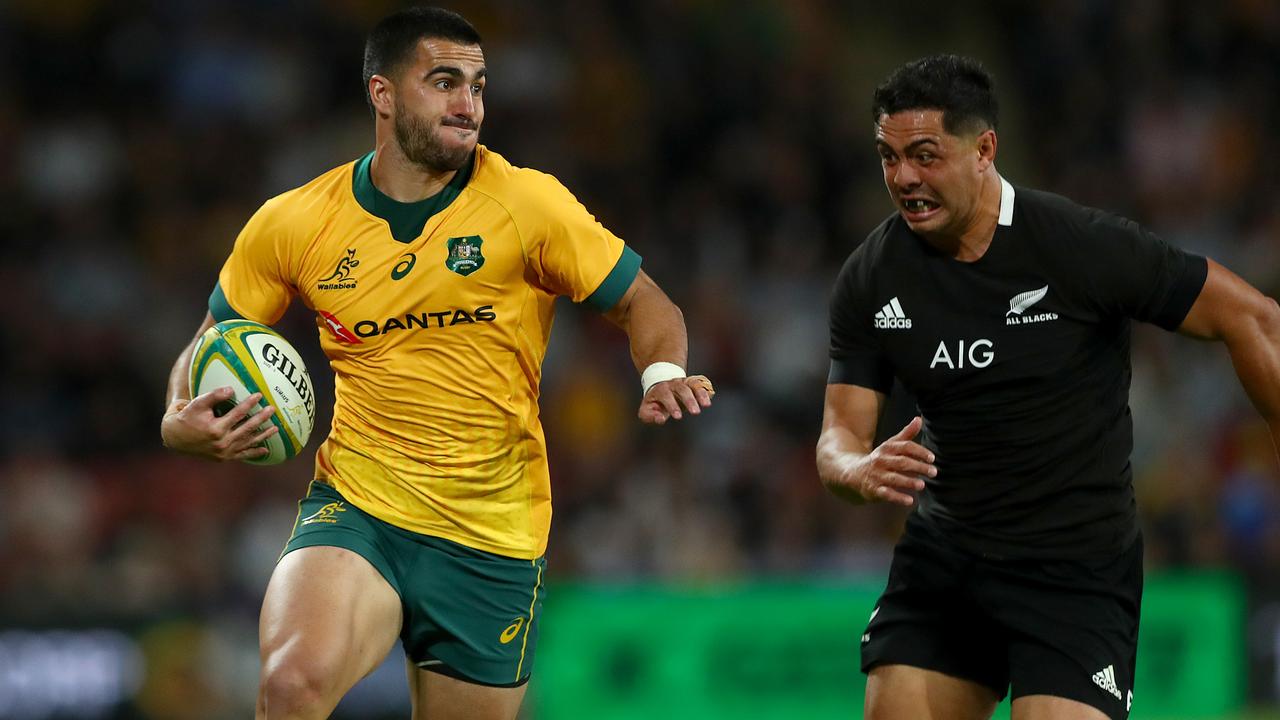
(464, 255)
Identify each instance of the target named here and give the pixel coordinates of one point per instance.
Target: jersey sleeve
(856, 355)
(571, 253)
(255, 282)
(1141, 276)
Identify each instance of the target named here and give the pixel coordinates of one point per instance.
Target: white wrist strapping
(659, 372)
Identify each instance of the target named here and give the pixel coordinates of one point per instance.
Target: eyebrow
(452, 71)
(909, 148)
(918, 143)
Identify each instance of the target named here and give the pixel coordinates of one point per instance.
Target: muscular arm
(191, 427)
(655, 327)
(653, 323)
(179, 390)
(1248, 322)
(847, 464)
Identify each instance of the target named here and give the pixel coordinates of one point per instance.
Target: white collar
(1006, 203)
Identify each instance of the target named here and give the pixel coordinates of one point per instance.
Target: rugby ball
(250, 357)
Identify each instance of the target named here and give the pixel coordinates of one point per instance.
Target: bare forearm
(657, 331)
(653, 323)
(1248, 322)
(659, 340)
(851, 468)
(192, 426)
(1255, 352)
(838, 449)
(179, 381)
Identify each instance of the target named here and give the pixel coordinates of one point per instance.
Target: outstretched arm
(656, 329)
(847, 464)
(191, 427)
(1233, 311)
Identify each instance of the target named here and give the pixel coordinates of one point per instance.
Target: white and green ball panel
(280, 372)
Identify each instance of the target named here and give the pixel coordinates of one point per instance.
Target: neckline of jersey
(405, 220)
(1004, 221)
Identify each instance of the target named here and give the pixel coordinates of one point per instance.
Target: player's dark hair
(958, 86)
(393, 39)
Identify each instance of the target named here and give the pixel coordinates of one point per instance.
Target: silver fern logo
(1021, 302)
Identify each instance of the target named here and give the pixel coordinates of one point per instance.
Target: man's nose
(905, 176)
(464, 103)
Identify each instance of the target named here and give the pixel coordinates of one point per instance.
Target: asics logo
(512, 630)
(403, 267)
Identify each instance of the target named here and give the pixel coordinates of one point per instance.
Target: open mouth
(917, 206)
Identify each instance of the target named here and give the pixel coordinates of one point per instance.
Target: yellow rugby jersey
(436, 333)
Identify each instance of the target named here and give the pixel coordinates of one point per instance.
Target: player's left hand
(665, 399)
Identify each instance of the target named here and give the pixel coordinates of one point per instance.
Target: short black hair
(393, 39)
(958, 86)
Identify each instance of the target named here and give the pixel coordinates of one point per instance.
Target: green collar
(406, 220)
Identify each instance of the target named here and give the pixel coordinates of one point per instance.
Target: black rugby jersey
(1019, 363)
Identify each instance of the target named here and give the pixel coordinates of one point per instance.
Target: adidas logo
(892, 317)
(1106, 679)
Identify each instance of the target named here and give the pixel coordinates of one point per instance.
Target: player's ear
(382, 95)
(986, 146)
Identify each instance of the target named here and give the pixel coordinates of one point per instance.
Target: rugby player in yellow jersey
(432, 265)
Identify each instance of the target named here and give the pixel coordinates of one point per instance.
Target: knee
(293, 687)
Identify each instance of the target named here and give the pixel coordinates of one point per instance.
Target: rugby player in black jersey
(1006, 312)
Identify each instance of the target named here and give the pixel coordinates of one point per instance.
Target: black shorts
(1067, 628)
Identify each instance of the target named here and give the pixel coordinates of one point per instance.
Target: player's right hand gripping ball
(251, 357)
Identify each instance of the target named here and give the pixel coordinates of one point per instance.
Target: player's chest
(980, 329)
(454, 282)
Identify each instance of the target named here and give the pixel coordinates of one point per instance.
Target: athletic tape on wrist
(659, 372)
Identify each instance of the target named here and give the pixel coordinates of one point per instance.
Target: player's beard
(419, 144)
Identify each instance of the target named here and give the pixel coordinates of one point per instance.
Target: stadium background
(696, 570)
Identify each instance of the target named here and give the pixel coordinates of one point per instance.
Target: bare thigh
(902, 692)
(1049, 707)
(440, 697)
(328, 619)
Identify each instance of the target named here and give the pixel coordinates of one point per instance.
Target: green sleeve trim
(220, 308)
(616, 283)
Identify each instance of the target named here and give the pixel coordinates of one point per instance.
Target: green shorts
(468, 614)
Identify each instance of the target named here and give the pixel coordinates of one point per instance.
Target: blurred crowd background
(728, 142)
